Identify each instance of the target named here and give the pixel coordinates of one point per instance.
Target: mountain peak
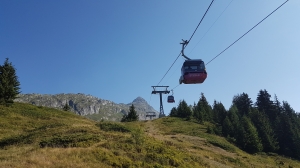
(142, 105)
(139, 100)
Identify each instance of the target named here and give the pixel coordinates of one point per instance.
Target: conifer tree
(243, 103)
(277, 106)
(235, 121)
(173, 112)
(219, 112)
(265, 105)
(66, 107)
(131, 116)
(227, 128)
(9, 84)
(183, 110)
(233, 117)
(289, 132)
(263, 100)
(285, 133)
(203, 111)
(197, 114)
(251, 141)
(265, 131)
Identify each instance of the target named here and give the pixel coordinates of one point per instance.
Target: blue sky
(116, 50)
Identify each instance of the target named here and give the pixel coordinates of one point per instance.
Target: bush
(74, 140)
(17, 140)
(224, 145)
(108, 126)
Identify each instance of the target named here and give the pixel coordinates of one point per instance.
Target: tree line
(263, 126)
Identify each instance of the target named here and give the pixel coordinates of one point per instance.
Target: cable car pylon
(160, 92)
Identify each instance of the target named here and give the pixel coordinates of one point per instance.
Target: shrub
(108, 126)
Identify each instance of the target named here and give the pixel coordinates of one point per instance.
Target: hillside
(36, 136)
(87, 105)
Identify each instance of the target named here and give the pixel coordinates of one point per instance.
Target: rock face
(87, 105)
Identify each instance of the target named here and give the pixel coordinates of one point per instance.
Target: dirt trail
(152, 131)
(194, 145)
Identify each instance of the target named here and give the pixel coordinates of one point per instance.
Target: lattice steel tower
(161, 109)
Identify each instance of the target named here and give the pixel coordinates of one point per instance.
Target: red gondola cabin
(193, 72)
(171, 99)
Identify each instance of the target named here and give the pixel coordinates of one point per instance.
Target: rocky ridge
(88, 105)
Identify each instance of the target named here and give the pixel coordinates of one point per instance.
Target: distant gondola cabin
(171, 99)
(193, 72)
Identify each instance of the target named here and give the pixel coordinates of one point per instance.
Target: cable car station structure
(160, 92)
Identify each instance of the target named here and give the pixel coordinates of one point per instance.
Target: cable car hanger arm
(184, 44)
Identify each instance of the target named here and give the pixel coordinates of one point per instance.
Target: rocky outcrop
(87, 105)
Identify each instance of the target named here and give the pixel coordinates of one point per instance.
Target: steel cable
(247, 32)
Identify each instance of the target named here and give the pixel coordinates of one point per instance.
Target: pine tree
(251, 141)
(219, 112)
(277, 106)
(132, 115)
(227, 128)
(183, 110)
(265, 131)
(243, 103)
(237, 131)
(233, 117)
(197, 114)
(9, 84)
(266, 105)
(203, 111)
(285, 133)
(173, 112)
(66, 107)
(288, 132)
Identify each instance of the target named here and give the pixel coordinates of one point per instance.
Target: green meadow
(35, 136)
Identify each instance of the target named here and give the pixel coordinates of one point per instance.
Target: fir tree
(173, 112)
(238, 130)
(183, 110)
(243, 104)
(288, 132)
(234, 119)
(277, 106)
(203, 111)
(227, 128)
(285, 133)
(9, 84)
(131, 116)
(197, 114)
(265, 104)
(251, 141)
(265, 131)
(219, 112)
(66, 107)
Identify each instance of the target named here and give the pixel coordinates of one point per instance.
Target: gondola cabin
(193, 72)
(171, 99)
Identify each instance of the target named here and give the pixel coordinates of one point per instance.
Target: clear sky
(116, 50)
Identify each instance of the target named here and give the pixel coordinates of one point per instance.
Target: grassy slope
(32, 136)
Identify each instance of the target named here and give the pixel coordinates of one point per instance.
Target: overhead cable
(188, 41)
(212, 25)
(247, 32)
